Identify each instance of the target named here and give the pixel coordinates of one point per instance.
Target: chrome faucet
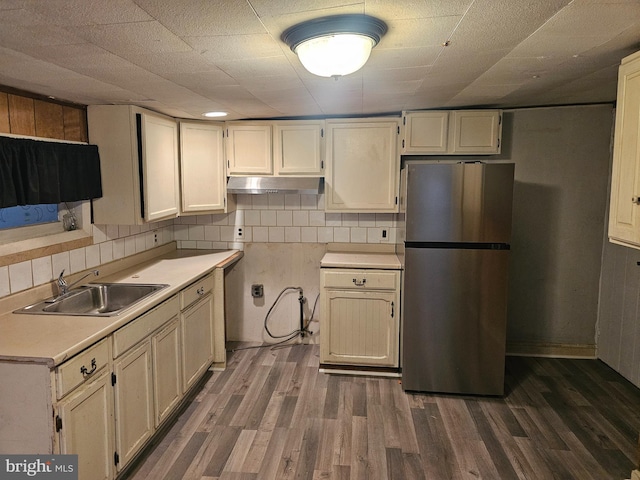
(63, 287)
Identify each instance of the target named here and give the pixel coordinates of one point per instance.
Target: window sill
(23, 250)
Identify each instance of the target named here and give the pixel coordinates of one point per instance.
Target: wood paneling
(22, 119)
(75, 124)
(4, 113)
(49, 120)
(273, 415)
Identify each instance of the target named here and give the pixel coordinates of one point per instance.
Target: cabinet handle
(392, 309)
(85, 372)
(200, 291)
(361, 283)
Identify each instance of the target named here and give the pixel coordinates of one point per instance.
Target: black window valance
(34, 172)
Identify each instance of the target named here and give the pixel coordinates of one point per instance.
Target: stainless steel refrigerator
(458, 229)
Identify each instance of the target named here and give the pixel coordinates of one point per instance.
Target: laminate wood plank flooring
(272, 415)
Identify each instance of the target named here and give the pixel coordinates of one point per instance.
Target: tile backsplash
(268, 218)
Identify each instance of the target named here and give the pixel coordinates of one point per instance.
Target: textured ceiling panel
(184, 57)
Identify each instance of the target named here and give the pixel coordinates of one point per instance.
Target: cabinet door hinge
(498, 143)
(403, 143)
(113, 379)
(396, 200)
(58, 423)
(322, 133)
(322, 164)
(393, 309)
(404, 120)
(398, 129)
(116, 458)
(499, 119)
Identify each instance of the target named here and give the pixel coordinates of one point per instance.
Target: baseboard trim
(554, 350)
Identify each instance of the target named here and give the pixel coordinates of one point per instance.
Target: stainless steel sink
(100, 299)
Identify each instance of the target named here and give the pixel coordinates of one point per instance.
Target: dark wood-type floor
(272, 415)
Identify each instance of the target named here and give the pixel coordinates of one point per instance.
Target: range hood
(258, 185)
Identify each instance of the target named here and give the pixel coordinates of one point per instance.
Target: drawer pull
(361, 283)
(393, 309)
(85, 372)
(200, 291)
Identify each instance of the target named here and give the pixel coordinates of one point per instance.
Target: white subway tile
(150, 239)
(284, 218)
(112, 232)
(333, 219)
(181, 232)
(366, 220)
(244, 201)
(188, 244)
(99, 233)
(220, 219)
(106, 252)
(5, 287)
(358, 235)
(236, 218)
(300, 218)
(385, 219)
(309, 234)
(260, 202)
(350, 219)
(145, 227)
(203, 219)
(42, 270)
(268, 218)
(196, 232)
(276, 234)
(292, 234)
(309, 201)
(20, 276)
(316, 218)
(78, 260)
(292, 201)
(129, 246)
(374, 235)
(203, 245)
(118, 249)
(325, 234)
(247, 234)
(60, 261)
(123, 231)
(276, 201)
(212, 233)
(141, 243)
(341, 234)
(222, 245)
(226, 233)
(261, 234)
(134, 229)
(252, 217)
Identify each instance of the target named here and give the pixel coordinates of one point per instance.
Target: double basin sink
(99, 299)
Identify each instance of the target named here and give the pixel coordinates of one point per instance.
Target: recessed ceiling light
(214, 114)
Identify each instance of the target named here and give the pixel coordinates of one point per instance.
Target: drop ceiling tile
(421, 32)
(204, 17)
(173, 63)
(262, 67)
(231, 47)
(88, 12)
(403, 57)
(277, 24)
(137, 38)
(401, 9)
(593, 19)
(269, 8)
(202, 80)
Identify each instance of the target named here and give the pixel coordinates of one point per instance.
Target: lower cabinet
(360, 317)
(86, 427)
(133, 402)
(112, 397)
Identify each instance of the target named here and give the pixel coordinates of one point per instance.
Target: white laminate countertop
(51, 339)
(384, 261)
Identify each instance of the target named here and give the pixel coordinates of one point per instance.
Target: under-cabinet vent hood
(257, 185)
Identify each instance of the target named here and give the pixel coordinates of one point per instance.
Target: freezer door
(454, 320)
(461, 202)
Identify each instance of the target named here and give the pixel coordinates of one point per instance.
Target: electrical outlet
(384, 235)
(155, 238)
(257, 290)
(238, 233)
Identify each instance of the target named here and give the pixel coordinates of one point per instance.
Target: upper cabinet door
(249, 149)
(160, 167)
(298, 148)
(363, 165)
(475, 131)
(624, 214)
(202, 167)
(425, 132)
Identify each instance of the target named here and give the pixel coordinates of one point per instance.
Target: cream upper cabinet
(202, 168)
(624, 214)
(138, 163)
(452, 132)
(362, 165)
(475, 131)
(288, 147)
(298, 148)
(425, 132)
(248, 148)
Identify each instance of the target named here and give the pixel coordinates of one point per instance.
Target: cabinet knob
(200, 291)
(636, 200)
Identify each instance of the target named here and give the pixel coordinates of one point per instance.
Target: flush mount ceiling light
(336, 45)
